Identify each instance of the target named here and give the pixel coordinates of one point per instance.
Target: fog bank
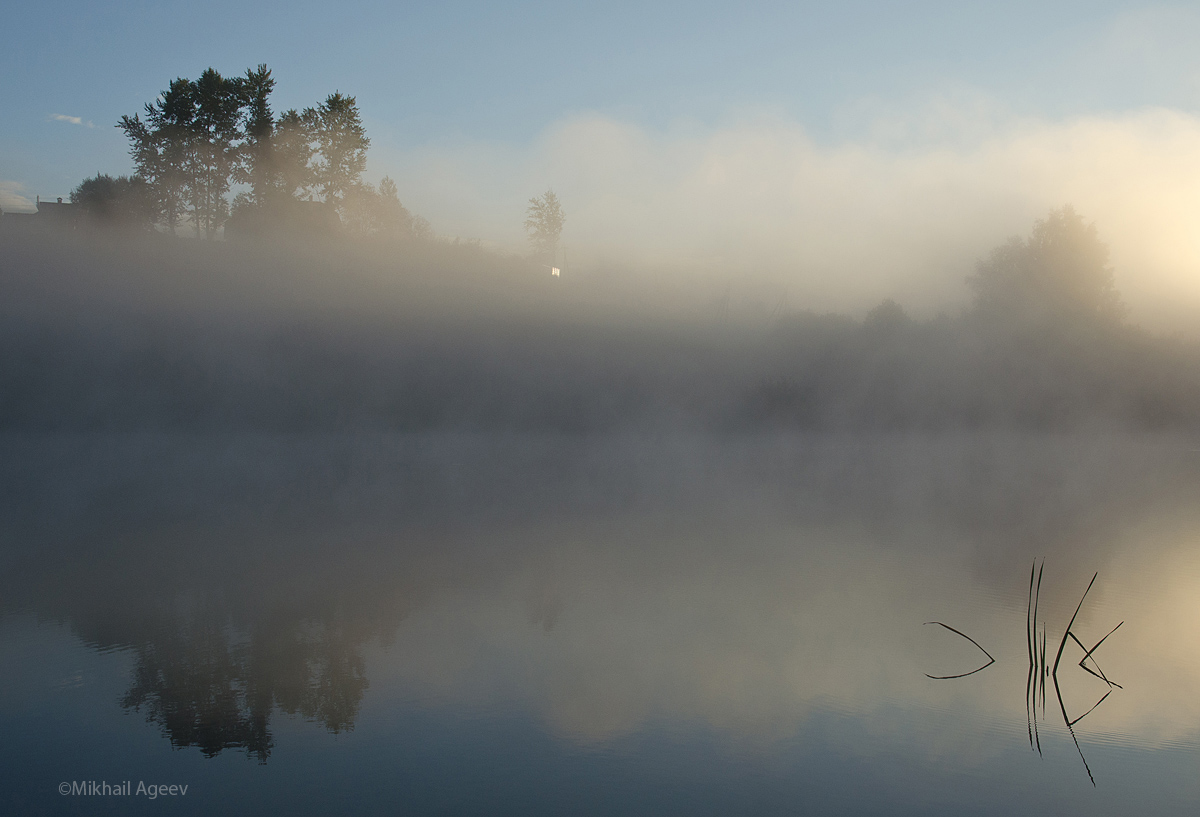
(903, 212)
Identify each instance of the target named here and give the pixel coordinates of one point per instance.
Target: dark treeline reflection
(228, 621)
(213, 687)
(250, 575)
(160, 333)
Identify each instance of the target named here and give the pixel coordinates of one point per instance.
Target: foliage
(200, 137)
(158, 158)
(291, 157)
(544, 220)
(255, 157)
(121, 201)
(337, 131)
(370, 212)
(1060, 273)
(188, 146)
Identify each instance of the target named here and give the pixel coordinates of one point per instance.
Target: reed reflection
(745, 585)
(1040, 671)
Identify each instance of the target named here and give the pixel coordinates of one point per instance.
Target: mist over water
(322, 335)
(317, 511)
(684, 612)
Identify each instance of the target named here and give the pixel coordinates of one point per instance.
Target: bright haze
(845, 153)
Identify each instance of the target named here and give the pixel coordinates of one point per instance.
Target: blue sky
(474, 107)
(504, 72)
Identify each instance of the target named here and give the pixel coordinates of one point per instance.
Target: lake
(599, 624)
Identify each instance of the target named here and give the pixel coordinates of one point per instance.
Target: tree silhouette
(1059, 273)
(159, 149)
(256, 161)
(544, 220)
(199, 137)
(336, 129)
(115, 202)
(216, 125)
(188, 146)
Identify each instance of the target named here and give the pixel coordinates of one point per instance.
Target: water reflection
(988, 655)
(608, 587)
(211, 687)
(1041, 672)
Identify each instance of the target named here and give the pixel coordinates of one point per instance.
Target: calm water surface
(598, 625)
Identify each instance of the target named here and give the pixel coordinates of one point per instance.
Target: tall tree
(544, 221)
(200, 136)
(187, 147)
(216, 127)
(256, 165)
(160, 148)
(342, 142)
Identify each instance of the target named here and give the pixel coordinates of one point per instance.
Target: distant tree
(887, 319)
(362, 210)
(122, 201)
(389, 201)
(544, 220)
(367, 211)
(337, 131)
(395, 218)
(1060, 272)
(422, 230)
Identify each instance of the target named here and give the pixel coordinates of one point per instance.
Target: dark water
(603, 625)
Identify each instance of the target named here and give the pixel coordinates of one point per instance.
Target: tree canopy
(1060, 272)
(189, 144)
(118, 201)
(200, 137)
(341, 141)
(544, 221)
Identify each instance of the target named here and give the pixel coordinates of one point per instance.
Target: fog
(545, 410)
(115, 331)
(605, 584)
(899, 209)
(327, 482)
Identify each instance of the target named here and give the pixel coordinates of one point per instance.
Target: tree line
(460, 341)
(301, 171)
(300, 168)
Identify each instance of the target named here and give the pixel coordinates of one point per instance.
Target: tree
(370, 212)
(336, 129)
(543, 223)
(291, 156)
(256, 160)
(1059, 273)
(396, 219)
(188, 145)
(216, 129)
(198, 137)
(159, 149)
(886, 320)
(115, 202)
